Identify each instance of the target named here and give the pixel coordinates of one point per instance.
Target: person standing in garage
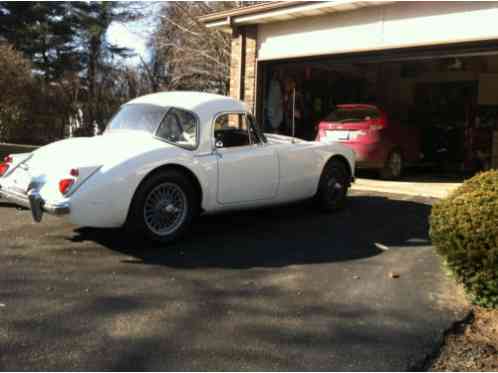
(274, 111)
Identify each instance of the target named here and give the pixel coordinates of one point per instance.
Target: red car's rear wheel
(393, 168)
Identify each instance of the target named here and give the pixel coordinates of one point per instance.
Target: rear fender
(17, 160)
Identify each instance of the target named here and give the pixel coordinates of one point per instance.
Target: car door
(248, 169)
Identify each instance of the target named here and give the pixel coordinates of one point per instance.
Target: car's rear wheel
(163, 206)
(393, 167)
(333, 186)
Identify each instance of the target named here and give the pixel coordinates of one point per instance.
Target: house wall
(405, 24)
(235, 66)
(243, 71)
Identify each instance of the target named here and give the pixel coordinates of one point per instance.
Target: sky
(127, 36)
(135, 35)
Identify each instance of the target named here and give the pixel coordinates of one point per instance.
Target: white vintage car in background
(165, 158)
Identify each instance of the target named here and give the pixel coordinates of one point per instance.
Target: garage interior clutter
(451, 102)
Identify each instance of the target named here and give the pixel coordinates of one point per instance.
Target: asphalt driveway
(279, 289)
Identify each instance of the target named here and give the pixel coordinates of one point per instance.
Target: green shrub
(485, 181)
(464, 229)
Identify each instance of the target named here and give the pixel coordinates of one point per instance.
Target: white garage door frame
(400, 25)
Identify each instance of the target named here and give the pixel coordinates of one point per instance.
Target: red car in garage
(378, 139)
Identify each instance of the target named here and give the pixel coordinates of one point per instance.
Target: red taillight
(65, 185)
(4, 166)
(378, 124)
(376, 127)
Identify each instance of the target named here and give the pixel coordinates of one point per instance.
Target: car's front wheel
(163, 206)
(333, 186)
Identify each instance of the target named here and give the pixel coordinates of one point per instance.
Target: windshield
(137, 117)
(343, 115)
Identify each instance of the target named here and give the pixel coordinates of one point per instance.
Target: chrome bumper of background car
(33, 201)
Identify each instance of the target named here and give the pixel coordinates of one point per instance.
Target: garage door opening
(441, 108)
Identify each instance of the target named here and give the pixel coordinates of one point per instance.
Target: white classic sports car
(165, 158)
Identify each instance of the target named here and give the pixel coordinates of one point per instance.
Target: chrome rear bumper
(33, 201)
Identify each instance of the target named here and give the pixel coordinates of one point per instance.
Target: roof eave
(281, 11)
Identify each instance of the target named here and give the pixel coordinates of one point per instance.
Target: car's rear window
(345, 115)
(137, 117)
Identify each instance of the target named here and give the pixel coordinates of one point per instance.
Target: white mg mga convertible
(165, 158)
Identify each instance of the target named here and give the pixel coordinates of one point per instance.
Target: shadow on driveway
(295, 234)
(273, 289)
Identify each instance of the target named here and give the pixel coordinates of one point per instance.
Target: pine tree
(44, 32)
(93, 20)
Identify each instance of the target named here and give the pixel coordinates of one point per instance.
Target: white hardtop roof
(193, 101)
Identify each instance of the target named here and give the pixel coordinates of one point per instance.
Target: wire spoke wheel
(165, 208)
(333, 187)
(336, 185)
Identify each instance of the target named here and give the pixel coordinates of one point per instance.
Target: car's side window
(231, 130)
(179, 127)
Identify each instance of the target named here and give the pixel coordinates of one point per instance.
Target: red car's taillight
(4, 166)
(375, 127)
(378, 125)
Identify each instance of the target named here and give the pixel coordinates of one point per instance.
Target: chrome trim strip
(22, 163)
(15, 198)
(57, 209)
(78, 185)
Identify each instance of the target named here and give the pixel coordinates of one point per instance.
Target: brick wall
(251, 34)
(235, 64)
(243, 65)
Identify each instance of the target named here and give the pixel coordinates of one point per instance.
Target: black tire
(393, 167)
(151, 206)
(333, 187)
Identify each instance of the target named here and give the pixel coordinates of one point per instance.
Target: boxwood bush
(464, 229)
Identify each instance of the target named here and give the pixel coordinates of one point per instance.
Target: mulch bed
(471, 346)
